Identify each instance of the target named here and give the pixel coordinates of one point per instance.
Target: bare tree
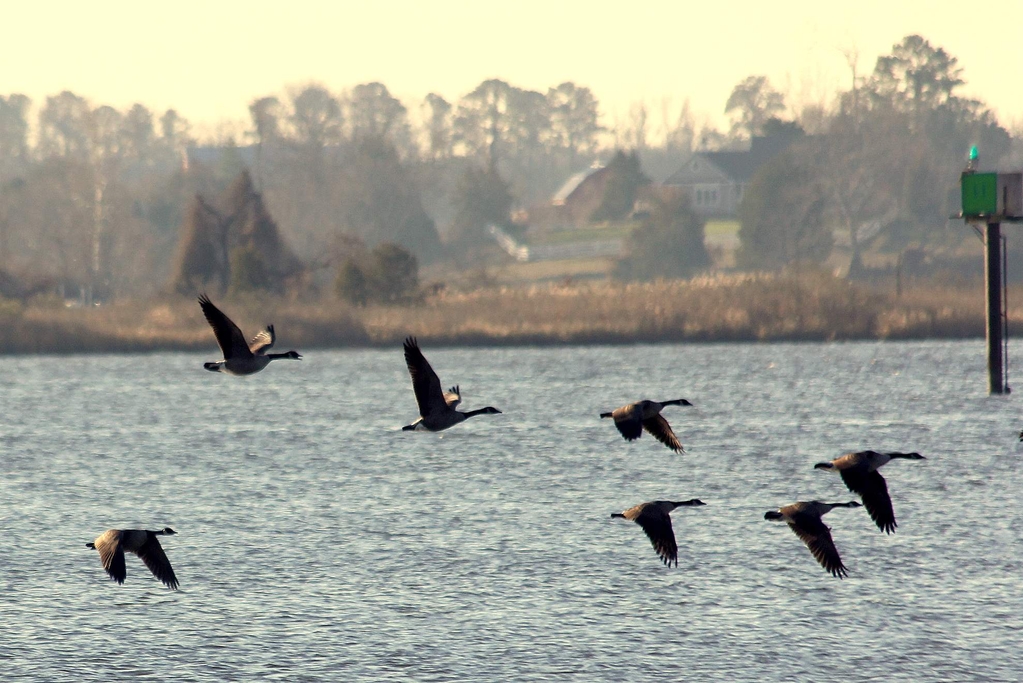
(174, 135)
(752, 103)
(861, 195)
(108, 146)
(64, 124)
(374, 112)
(916, 77)
(636, 132)
(137, 133)
(106, 132)
(437, 117)
(266, 113)
(851, 104)
(315, 117)
(59, 203)
(316, 121)
(13, 129)
(529, 136)
(679, 131)
(481, 120)
(574, 120)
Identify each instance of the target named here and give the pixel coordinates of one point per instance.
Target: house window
(707, 196)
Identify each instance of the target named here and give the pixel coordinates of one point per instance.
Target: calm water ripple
(319, 542)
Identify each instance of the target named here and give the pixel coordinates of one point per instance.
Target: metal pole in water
(1005, 316)
(993, 279)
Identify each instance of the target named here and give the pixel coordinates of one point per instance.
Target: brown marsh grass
(750, 307)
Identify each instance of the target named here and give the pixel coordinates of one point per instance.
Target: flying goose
(804, 518)
(453, 396)
(859, 472)
(632, 419)
(240, 358)
(656, 522)
(436, 408)
(112, 543)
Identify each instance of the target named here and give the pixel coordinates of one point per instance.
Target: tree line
(882, 167)
(102, 199)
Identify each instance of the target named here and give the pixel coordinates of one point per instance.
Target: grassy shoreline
(739, 308)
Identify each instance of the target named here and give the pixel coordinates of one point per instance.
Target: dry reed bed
(757, 307)
(754, 307)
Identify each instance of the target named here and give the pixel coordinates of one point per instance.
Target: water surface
(319, 542)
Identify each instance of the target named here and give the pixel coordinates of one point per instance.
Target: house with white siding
(715, 182)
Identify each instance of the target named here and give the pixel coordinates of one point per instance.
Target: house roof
(738, 166)
(572, 184)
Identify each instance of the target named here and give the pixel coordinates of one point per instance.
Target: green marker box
(992, 195)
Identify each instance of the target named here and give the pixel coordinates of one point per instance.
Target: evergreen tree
(481, 198)
(202, 260)
(782, 215)
(624, 178)
(249, 272)
(381, 202)
(239, 249)
(668, 244)
(253, 229)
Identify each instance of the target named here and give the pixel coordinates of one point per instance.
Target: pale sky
(210, 59)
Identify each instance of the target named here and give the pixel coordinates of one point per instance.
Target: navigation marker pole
(994, 277)
(991, 199)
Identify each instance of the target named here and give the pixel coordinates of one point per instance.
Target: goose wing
(657, 525)
(425, 382)
(229, 337)
(151, 553)
(817, 537)
(661, 431)
(263, 341)
(453, 396)
(874, 491)
(111, 554)
(629, 421)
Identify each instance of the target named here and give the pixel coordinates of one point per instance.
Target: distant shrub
(387, 274)
(395, 273)
(352, 285)
(47, 300)
(9, 309)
